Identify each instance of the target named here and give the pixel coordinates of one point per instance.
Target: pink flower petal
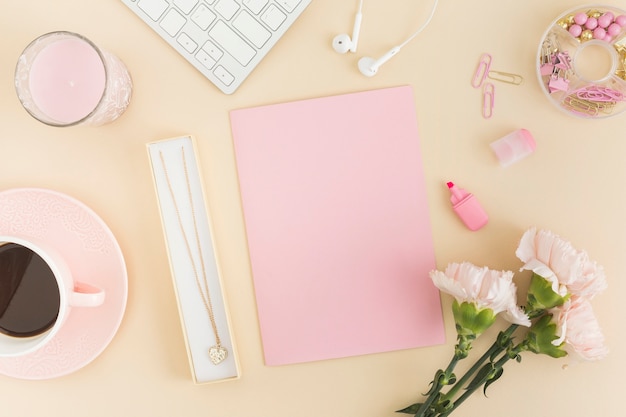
(558, 261)
(484, 287)
(580, 330)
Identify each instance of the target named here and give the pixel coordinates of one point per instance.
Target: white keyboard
(223, 39)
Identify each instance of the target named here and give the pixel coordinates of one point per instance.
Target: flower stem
(441, 379)
(475, 367)
(495, 348)
(447, 377)
(498, 365)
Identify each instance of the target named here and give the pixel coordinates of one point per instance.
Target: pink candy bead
(614, 29)
(591, 23)
(606, 27)
(599, 33)
(605, 20)
(581, 18)
(575, 30)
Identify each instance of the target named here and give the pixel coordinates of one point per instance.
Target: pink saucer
(92, 253)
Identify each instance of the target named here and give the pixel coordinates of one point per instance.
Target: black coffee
(29, 294)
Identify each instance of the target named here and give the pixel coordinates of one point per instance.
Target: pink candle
(63, 79)
(67, 80)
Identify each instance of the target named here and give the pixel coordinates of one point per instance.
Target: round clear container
(582, 62)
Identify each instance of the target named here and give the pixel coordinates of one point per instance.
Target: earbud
(343, 43)
(369, 66)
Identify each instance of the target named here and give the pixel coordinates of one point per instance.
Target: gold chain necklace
(217, 353)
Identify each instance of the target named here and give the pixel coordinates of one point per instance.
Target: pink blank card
(338, 227)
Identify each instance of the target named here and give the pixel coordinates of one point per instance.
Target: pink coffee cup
(38, 292)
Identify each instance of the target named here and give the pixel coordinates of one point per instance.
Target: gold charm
(217, 354)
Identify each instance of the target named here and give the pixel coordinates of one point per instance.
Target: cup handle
(85, 295)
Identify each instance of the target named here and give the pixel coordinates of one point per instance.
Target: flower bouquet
(557, 319)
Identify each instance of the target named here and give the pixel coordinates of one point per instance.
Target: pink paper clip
(482, 70)
(615, 94)
(610, 94)
(592, 94)
(599, 94)
(488, 100)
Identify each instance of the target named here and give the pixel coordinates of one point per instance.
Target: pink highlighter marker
(467, 208)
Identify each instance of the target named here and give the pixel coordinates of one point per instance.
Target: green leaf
(412, 409)
(451, 380)
(504, 340)
(492, 379)
(445, 405)
(436, 383)
(480, 377)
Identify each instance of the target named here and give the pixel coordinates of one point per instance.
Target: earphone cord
(421, 28)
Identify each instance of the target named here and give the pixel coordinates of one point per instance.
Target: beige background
(575, 185)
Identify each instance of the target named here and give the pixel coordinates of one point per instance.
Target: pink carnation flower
(578, 327)
(568, 270)
(484, 287)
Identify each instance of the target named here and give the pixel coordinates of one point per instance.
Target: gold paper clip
(580, 106)
(481, 70)
(488, 100)
(505, 77)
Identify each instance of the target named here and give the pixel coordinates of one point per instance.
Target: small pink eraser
(513, 147)
(467, 207)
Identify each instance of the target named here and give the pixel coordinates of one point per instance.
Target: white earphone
(367, 65)
(343, 43)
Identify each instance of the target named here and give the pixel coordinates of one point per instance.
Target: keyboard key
(255, 6)
(224, 76)
(227, 8)
(273, 17)
(251, 29)
(185, 6)
(186, 42)
(203, 17)
(213, 51)
(232, 43)
(289, 5)
(205, 59)
(153, 8)
(173, 22)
